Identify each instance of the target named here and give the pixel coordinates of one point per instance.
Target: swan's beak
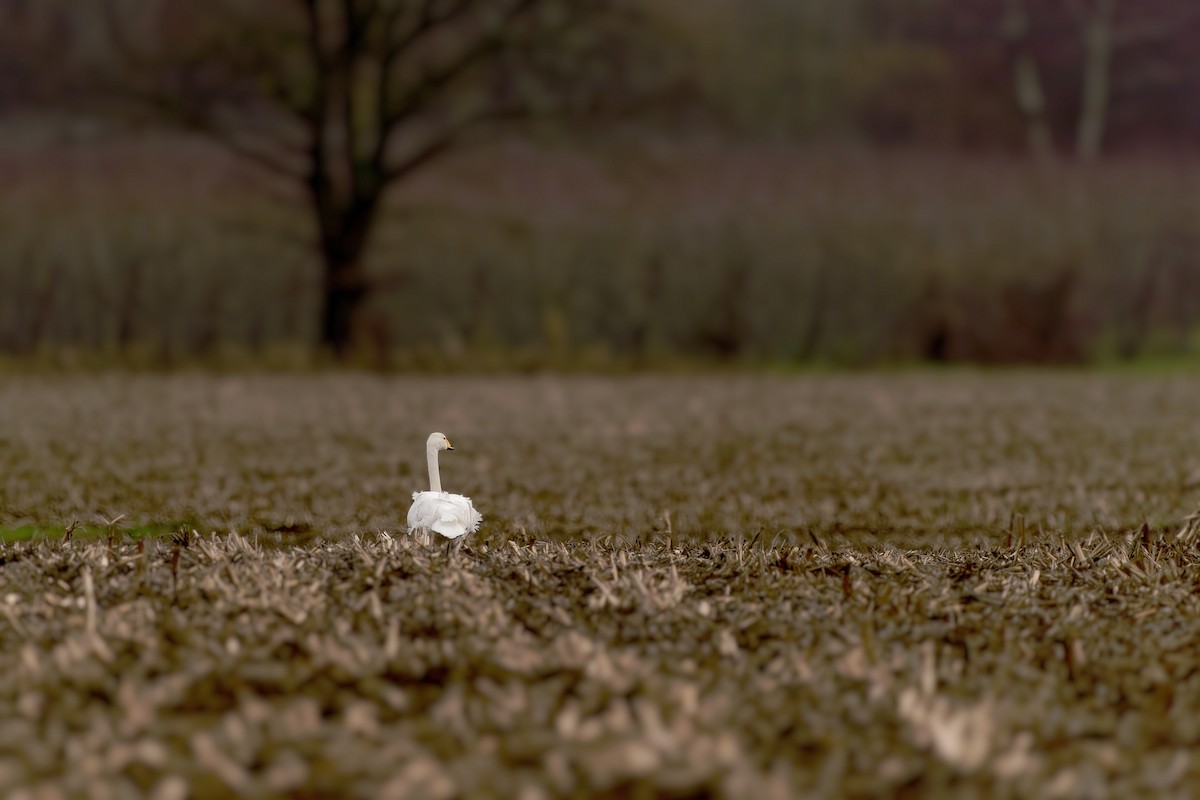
(448, 445)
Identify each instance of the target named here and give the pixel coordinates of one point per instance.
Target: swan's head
(438, 441)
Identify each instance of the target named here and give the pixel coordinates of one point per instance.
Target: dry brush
(372, 667)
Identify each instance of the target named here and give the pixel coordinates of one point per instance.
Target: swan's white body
(450, 515)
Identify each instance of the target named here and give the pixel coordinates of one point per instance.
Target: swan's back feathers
(450, 515)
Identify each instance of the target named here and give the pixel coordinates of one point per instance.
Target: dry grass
(687, 586)
(368, 667)
(911, 460)
(134, 250)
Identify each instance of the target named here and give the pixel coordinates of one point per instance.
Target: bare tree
(1096, 20)
(1027, 79)
(1103, 31)
(344, 99)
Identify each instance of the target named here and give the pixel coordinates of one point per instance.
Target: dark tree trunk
(344, 235)
(340, 307)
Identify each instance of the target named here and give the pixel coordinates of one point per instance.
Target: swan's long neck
(435, 478)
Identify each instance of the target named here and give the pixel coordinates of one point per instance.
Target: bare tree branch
(345, 98)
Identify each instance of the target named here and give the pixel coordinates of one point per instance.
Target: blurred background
(440, 184)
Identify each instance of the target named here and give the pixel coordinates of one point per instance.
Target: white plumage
(449, 515)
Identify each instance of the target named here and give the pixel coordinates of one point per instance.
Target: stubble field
(855, 585)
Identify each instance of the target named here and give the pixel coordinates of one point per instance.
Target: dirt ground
(867, 585)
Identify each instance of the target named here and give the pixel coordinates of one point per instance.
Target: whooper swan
(450, 515)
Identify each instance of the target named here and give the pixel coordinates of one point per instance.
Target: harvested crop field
(907, 459)
(863, 585)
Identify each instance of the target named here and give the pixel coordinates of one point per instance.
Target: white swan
(450, 515)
